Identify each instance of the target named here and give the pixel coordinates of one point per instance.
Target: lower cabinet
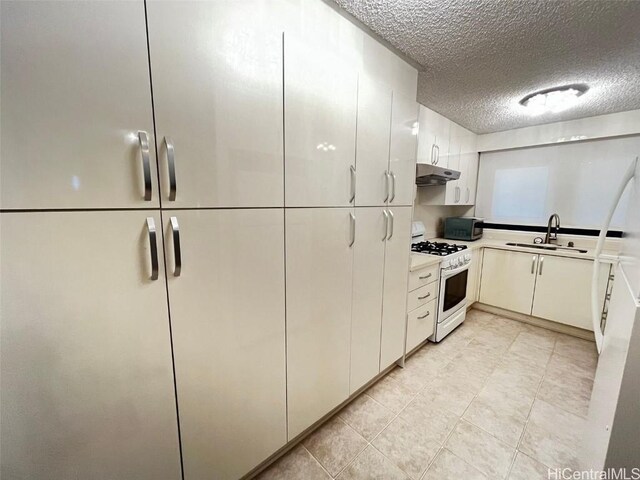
(87, 381)
(546, 286)
(394, 300)
(422, 304)
(319, 245)
(225, 272)
(473, 278)
(508, 279)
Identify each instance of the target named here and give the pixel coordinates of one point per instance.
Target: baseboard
(536, 321)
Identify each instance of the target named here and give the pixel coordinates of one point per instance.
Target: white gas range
(454, 269)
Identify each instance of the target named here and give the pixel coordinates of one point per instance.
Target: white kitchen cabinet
(319, 246)
(320, 126)
(469, 180)
(75, 95)
(473, 278)
(433, 137)
(508, 279)
(403, 150)
(373, 136)
(228, 321)
(87, 381)
(563, 290)
(421, 324)
(217, 88)
(453, 188)
(394, 302)
(368, 279)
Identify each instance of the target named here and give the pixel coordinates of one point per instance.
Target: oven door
(453, 291)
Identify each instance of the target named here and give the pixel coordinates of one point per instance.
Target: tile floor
(496, 399)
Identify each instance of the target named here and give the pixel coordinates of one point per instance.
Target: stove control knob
(467, 257)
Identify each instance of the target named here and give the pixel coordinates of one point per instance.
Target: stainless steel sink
(545, 246)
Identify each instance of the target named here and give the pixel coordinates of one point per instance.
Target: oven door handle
(451, 273)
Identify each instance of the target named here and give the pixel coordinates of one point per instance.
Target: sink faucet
(552, 238)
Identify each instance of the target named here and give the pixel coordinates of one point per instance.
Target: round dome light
(553, 100)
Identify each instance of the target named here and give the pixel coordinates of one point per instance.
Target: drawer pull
(424, 316)
(426, 296)
(428, 275)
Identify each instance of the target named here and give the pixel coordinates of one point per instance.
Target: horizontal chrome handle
(425, 296)
(428, 275)
(424, 316)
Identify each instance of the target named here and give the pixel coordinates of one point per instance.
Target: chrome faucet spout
(552, 237)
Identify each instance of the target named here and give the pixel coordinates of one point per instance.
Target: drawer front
(423, 276)
(422, 295)
(420, 324)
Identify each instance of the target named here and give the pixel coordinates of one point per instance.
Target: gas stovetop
(437, 248)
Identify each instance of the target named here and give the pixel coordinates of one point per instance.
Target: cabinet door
(320, 126)
(508, 279)
(396, 278)
(470, 169)
(366, 317)
(319, 286)
(374, 131)
(403, 150)
(227, 314)
(426, 136)
(217, 88)
(453, 195)
(87, 381)
(75, 94)
(563, 290)
(474, 274)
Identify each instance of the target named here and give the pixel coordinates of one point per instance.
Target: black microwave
(463, 228)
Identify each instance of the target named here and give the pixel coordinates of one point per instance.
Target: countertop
(419, 260)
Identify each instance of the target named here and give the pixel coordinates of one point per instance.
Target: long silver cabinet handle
(386, 224)
(393, 187)
(352, 218)
(171, 164)
(533, 264)
(386, 186)
(437, 154)
(153, 247)
(428, 275)
(353, 184)
(177, 253)
(541, 265)
(424, 316)
(143, 140)
(433, 149)
(425, 296)
(391, 222)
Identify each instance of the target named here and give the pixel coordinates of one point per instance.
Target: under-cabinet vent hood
(428, 174)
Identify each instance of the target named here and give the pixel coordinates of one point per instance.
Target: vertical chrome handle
(437, 154)
(393, 186)
(353, 184)
(533, 264)
(352, 218)
(386, 186)
(391, 221)
(386, 224)
(143, 140)
(541, 265)
(433, 149)
(177, 253)
(468, 195)
(153, 247)
(171, 165)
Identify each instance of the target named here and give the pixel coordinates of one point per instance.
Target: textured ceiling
(478, 58)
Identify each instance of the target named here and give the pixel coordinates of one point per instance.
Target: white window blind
(575, 180)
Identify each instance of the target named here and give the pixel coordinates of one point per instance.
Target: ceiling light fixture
(553, 100)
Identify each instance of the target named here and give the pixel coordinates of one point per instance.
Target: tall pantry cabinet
(205, 220)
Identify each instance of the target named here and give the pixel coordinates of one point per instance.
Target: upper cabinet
(433, 138)
(403, 150)
(77, 124)
(373, 136)
(217, 87)
(321, 91)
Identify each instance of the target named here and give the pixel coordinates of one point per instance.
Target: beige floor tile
(366, 416)
(540, 337)
(526, 468)
(453, 397)
(562, 365)
(295, 465)
(511, 377)
(414, 376)
(391, 394)
(552, 436)
(480, 449)
(448, 466)
(580, 351)
(372, 465)
(528, 350)
(498, 418)
(335, 445)
(434, 421)
(569, 392)
(478, 316)
(407, 446)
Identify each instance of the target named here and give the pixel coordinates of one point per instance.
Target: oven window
(455, 290)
